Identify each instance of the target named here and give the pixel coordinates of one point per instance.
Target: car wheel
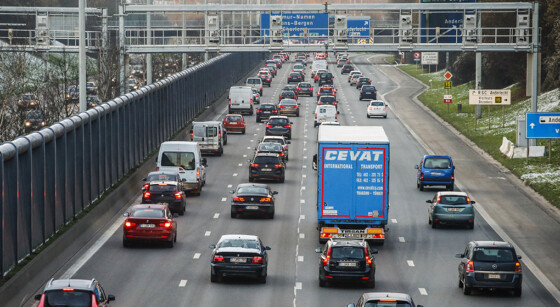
(367, 115)
(271, 215)
(429, 221)
(214, 278)
(371, 282)
(225, 141)
(297, 114)
(466, 289)
(171, 243)
(243, 132)
(125, 243)
(220, 151)
(517, 292)
(233, 214)
(323, 283)
(282, 180)
(421, 187)
(175, 238)
(470, 225)
(385, 116)
(261, 279)
(182, 210)
(434, 224)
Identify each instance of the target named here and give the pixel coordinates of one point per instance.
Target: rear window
(328, 90)
(68, 298)
(163, 188)
(288, 102)
(377, 103)
(233, 118)
(270, 147)
(279, 141)
(179, 159)
(266, 160)
(364, 79)
(153, 213)
(327, 99)
(437, 163)
(305, 85)
(368, 88)
(387, 303)
(278, 121)
(294, 74)
(267, 107)
(251, 190)
(453, 200)
(169, 177)
(487, 254)
(289, 88)
(201, 131)
(347, 252)
(253, 81)
(243, 243)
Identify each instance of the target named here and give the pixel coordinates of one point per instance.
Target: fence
(50, 176)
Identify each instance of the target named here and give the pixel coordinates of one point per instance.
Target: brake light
(319, 102)
(219, 259)
(315, 115)
(178, 195)
(336, 116)
(421, 175)
(368, 259)
(335, 103)
(166, 224)
(274, 111)
(278, 165)
(298, 89)
(384, 109)
(439, 199)
(288, 126)
(518, 267)
(251, 101)
(326, 260)
(229, 101)
(238, 199)
(162, 184)
(268, 125)
(294, 107)
(257, 260)
(452, 176)
(281, 107)
(146, 186)
(67, 289)
(254, 165)
(470, 266)
(259, 111)
(147, 194)
(265, 199)
(192, 134)
(468, 200)
(281, 154)
(129, 224)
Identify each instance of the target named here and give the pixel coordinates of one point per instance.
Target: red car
(150, 222)
(234, 122)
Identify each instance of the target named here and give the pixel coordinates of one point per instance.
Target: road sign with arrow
(542, 125)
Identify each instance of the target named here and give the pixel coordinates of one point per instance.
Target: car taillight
(162, 185)
(229, 101)
(128, 224)
(238, 198)
(278, 165)
(315, 115)
(259, 111)
(192, 134)
(518, 267)
(326, 260)
(257, 260)
(288, 126)
(265, 199)
(166, 224)
(468, 200)
(281, 107)
(281, 154)
(251, 101)
(298, 89)
(178, 195)
(319, 102)
(385, 109)
(268, 125)
(294, 107)
(146, 186)
(336, 116)
(368, 259)
(470, 266)
(335, 103)
(219, 258)
(421, 175)
(147, 194)
(254, 165)
(274, 111)
(452, 176)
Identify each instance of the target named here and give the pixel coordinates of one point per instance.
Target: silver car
(256, 96)
(288, 107)
(377, 108)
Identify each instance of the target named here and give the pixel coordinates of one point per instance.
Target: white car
(352, 73)
(377, 108)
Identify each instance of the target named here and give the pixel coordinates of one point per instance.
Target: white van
(210, 136)
(183, 158)
(318, 64)
(240, 100)
(325, 113)
(256, 83)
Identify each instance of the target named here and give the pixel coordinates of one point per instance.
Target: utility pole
(82, 55)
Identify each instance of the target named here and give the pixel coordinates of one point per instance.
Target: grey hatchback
(451, 208)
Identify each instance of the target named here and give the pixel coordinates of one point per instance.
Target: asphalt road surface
(415, 258)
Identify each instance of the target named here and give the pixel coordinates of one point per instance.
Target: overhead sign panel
(441, 27)
(542, 125)
(312, 25)
(490, 97)
(358, 26)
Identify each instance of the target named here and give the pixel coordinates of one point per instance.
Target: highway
(415, 258)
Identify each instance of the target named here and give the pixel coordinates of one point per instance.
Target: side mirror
(249, 161)
(473, 202)
(267, 248)
(255, 148)
(275, 193)
(519, 257)
(428, 201)
(337, 112)
(212, 245)
(204, 162)
(291, 123)
(175, 214)
(288, 142)
(143, 188)
(318, 250)
(144, 179)
(110, 297)
(458, 255)
(350, 305)
(374, 251)
(126, 214)
(231, 191)
(38, 297)
(416, 166)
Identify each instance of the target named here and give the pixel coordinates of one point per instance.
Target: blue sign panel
(542, 125)
(317, 25)
(358, 28)
(448, 23)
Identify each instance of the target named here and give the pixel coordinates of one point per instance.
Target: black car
(346, 260)
(276, 148)
(347, 69)
(490, 264)
(363, 81)
(265, 111)
(74, 292)
(239, 255)
(304, 88)
(294, 77)
(254, 198)
(368, 92)
(328, 100)
(325, 78)
(267, 166)
(287, 95)
(166, 191)
(290, 87)
(34, 120)
(279, 125)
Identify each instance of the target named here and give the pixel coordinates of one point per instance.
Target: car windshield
(270, 147)
(327, 99)
(181, 159)
(166, 177)
(27, 97)
(253, 81)
(252, 190)
(453, 200)
(163, 187)
(73, 298)
(266, 160)
(233, 118)
(437, 163)
(387, 303)
(153, 213)
(34, 115)
(347, 252)
(243, 243)
(377, 103)
(278, 121)
(492, 254)
(267, 107)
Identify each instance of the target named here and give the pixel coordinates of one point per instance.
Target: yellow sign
(498, 99)
(447, 84)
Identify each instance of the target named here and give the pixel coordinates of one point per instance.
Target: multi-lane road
(415, 258)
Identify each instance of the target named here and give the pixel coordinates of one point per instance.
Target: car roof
(387, 295)
(80, 284)
(492, 244)
(454, 193)
(239, 236)
(258, 185)
(279, 116)
(149, 206)
(163, 173)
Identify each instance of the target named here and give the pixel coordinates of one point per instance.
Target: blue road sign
(317, 25)
(448, 23)
(358, 27)
(542, 125)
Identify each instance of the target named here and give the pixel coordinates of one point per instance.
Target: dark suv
(265, 111)
(267, 166)
(325, 78)
(74, 292)
(368, 92)
(166, 191)
(489, 264)
(347, 69)
(279, 125)
(346, 260)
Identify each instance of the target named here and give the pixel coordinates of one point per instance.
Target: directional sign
(447, 98)
(316, 25)
(429, 58)
(542, 125)
(358, 26)
(490, 97)
(448, 24)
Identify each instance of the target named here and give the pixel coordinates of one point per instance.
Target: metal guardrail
(48, 177)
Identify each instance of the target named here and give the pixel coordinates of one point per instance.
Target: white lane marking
(305, 149)
(244, 156)
(302, 236)
(303, 187)
(258, 129)
(207, 233)
(196, 256)
(224, 198)
(401, 239)
(183, 283)
(302, 217)
(300, 258)
(252, 140)
(304, 166)
(394, 221)
(298, 286)
(229, 185)
(423, 291)
(216, 215)
(410, 262)
(240, 164)
(93, 249)
(234, 174)
(304, 157)
(248, 147)
(302, 201)
(255, 134)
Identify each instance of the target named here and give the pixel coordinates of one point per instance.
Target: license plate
(266, 169)
(252, 207)
(147, 225)
(454, 209)
(266, 112)
(237, 260)
(347, 264)
(369, 93)
(435, 173)
(235, 104)
(233, 123)
(494, 276)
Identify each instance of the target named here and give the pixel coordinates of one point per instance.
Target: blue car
(436, 170)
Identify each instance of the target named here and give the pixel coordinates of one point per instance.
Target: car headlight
(43, 123)
(27, 124)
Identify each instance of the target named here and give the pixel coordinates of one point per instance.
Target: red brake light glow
(129, 224)
(254, 164)
(166, 224)
(147, 194)
(326, 260)
(67, 289)
(238, 199)
(288, 126)
(257, 260)
(470, 266)
(368, 260)
(265, 199)
(219, 258)
(518, 267)
(178, 195)
(278, 165)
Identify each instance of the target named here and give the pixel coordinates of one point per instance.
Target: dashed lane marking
(302, 201)
(302, 236)
(410, 263)
(234, 174)
(300, 258)
(196, 256)
(401, 239)
(244, 156)
(240, 164)
(394, 221)
(224, 198)
(302, 217)
(298, 286)
(423, 291)
(229, 185)
(183, 283)
(207, 233)
(216, 215)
